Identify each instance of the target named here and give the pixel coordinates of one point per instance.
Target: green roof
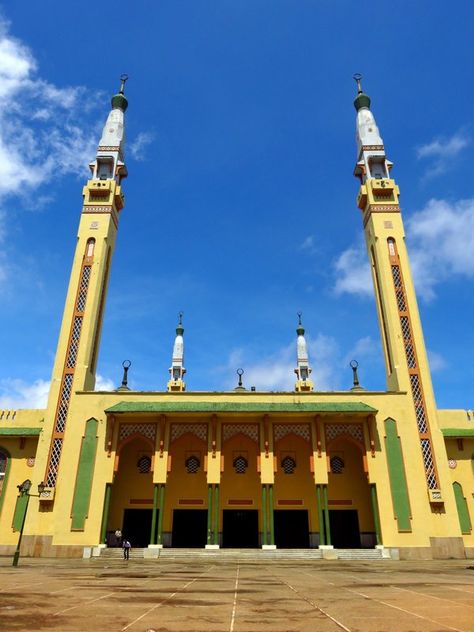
(239, 407)
(458, 432)
(20, 432)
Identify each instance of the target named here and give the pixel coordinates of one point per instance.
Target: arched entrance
(351, 518)
(132, 493)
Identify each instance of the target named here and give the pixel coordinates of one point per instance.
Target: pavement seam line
(413, 614)
(415, 592)
(234, 606)
(158, 605)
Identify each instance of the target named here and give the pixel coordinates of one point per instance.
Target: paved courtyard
(168, 595)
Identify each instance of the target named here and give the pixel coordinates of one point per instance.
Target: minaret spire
(177, 369)
(109, 162)
(303, 370)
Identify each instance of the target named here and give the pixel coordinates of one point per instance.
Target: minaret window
(391, 246)
(90, 247)
(192, 465)
(240, 465)
(288, 465)
(104, 168)
(304, 373)
(176, 373)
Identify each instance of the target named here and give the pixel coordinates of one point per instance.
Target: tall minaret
(402, 337)
(177, 369)
(78, 344)
(303, 370)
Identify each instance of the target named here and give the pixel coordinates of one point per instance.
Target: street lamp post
(24, 489)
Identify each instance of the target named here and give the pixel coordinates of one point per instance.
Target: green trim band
(236, 407)
(458, 432)
(20, 432)
(85, 473)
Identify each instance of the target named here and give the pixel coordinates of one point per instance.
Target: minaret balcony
(103, 192)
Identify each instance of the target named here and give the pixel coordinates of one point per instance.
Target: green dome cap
(119, 101)
(300, 328)
(362, 100)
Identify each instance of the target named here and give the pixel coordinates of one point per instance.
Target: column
(264, 515)
(105, 513)
(375, 510)
(326, 515)
(322, 539)
(159, 538)
(272, 522)
(209, 514)
(153, 515)
(216, 515)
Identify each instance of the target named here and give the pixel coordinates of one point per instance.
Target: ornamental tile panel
(146, 430)
(249, 430)
(199, 430)
(336, 430)
(300, 430)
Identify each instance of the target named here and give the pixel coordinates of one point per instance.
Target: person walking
(126, 549)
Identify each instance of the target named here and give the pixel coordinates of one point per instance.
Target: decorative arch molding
(4, 482)
(133, 437)
(248, 430)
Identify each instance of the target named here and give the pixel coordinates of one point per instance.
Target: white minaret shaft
(303, 370)
(177, 369)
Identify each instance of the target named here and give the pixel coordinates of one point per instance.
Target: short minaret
(177, 369)
(303, 370)
(400, 326)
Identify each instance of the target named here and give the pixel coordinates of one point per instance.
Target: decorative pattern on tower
(177, 369)
(303, 370)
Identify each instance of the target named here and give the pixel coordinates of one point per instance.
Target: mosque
(385, 471)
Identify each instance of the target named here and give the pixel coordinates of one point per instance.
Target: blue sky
(240, 202)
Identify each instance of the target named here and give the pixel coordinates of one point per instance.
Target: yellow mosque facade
(328, 471)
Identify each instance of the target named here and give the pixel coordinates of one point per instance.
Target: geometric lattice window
(192, 464)
(3, 468)
(288, 465)
(144, 464)
(240, 465)
(337, 465)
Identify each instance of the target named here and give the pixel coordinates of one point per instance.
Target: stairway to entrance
(247, 554)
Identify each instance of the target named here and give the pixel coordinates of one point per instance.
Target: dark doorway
(137, 526)
(291, 528)
(189, 528)
(240, 529)
(344, 524)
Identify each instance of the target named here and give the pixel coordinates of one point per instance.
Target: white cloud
(138, 146)
(353, 273)
(104, 383)
(436, 360)
(18, 394)
(441, 246)
(42, 128)
(308, 245)
(441, 151)
(441, 242)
